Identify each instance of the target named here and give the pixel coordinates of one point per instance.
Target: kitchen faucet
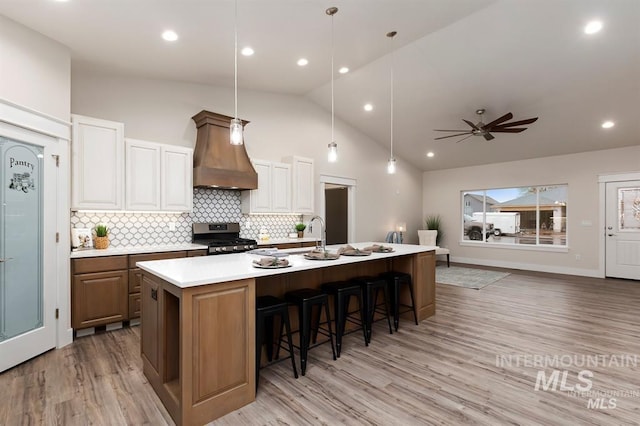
(323, 231)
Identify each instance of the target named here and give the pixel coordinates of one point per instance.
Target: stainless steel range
(221, 237)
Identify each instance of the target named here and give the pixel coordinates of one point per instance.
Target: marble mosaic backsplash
(209, 205)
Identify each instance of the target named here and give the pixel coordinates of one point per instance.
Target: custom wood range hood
(217, 163)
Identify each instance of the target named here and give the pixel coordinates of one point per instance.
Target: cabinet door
(177, 178)
(142, 175)
(99, 298)
(303, 175)
(259, 200)
(97, 164)
(281, 188)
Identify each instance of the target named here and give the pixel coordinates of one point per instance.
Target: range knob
(223, 249)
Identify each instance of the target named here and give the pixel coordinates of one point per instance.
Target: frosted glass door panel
(21, 281)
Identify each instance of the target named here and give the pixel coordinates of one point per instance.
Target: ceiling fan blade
(464, 139)
(488, 136)
(473, 126)
(451, 136)
(506, 117)
(518, 123)
(500, 130)
(440, 130)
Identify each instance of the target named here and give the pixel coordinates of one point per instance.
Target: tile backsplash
(209, 205)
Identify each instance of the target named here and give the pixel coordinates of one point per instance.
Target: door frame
(18, 122)
(602, 183)
(351, 184)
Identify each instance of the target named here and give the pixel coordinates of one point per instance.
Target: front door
(622, 230)
(28, 186)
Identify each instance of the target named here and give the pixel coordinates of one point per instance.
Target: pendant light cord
(392, 53)
(332, 97)
(235, 59)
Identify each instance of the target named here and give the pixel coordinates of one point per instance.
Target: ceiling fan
(496, 126)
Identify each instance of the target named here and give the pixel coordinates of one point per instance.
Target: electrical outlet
(578, 257)
(172, 226)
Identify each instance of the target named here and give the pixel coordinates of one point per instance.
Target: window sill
(528, 247)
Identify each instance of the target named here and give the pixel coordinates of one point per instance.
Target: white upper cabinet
(302, 177)
(97, 170)
(177, 178)
(159, 177)
(274, 189)
(143, 175)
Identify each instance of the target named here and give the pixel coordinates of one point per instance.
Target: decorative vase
(101, 242)
(300, 234)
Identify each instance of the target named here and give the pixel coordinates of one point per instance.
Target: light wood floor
(441, 372)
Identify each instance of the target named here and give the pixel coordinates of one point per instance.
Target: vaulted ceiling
(450, 57)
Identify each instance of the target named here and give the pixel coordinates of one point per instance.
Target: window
(531, 215)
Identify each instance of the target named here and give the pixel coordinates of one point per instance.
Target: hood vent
(217, 163)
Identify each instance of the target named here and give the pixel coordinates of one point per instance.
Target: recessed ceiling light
(302, 62)
(247, 51)
(430, 154)
(170, 35)
(343, 70)
(608, 124)
(368, 107)
(593, 27)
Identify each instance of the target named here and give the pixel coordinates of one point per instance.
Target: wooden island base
(198, 343)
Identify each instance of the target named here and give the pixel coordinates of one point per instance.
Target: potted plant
(434, 222)
(300, 227)
(102, 236)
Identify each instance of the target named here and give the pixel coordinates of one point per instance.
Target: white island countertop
(195, 271)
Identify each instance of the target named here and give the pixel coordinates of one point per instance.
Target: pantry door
(28, 179)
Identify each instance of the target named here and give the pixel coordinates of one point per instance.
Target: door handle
(6, 259)
(611, 235)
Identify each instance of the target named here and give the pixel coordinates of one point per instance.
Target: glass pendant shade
(332, 156)
(235, 132)
(391, 166)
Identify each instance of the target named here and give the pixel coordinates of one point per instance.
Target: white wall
(580, 171)
(280, 125)
(34, 70)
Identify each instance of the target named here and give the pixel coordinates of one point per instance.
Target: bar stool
(305, 299)
(371, 287)
(342, 292)
(267, 307)
(395, 280)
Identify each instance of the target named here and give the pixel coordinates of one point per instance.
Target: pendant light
(391, 164)
(332, 155)
(235, 127)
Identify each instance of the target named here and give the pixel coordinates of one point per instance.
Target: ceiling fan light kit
(499, 125)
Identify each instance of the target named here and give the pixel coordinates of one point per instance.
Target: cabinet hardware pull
(154, 294)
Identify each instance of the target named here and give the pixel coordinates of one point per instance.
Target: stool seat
(342, 291)
(395, 280)
(371, 286)
(306, 299)
(267, 307)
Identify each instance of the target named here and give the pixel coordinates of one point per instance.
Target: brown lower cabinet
(289, 245)
(106, 289)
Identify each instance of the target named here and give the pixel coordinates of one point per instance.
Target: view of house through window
(532, 215)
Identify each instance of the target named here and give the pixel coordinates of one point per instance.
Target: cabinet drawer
(99, 264)
(194, 253)
(134, 305)
(135, 280)
(133, 258)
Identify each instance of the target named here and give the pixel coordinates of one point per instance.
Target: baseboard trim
(594, 273)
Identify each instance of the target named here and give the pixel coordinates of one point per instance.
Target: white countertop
(272, 241)
(195, 271)
(115, 251)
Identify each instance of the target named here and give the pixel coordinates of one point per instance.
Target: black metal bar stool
(268, 307)
(371, 287)
(395, 280)
(306, 299)
(342, 292)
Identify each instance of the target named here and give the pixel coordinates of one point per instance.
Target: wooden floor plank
(443, 371)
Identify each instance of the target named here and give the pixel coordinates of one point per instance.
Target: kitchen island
(198, 319)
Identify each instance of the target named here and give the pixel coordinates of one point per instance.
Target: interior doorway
(337, 207)
(336, 213)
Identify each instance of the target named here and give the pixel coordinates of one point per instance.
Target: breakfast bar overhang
(198, 319)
